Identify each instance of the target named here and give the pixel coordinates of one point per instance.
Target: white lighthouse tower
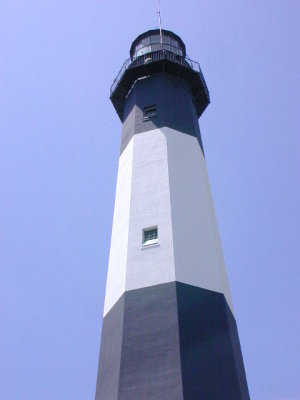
(169, 331)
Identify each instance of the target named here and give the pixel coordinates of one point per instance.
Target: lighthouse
(169, 331)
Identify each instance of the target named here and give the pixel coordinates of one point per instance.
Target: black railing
(154, 57)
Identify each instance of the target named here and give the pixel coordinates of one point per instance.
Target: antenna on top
(159, 20)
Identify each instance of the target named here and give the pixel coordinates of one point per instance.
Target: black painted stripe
(211, 358)
(110, 353)
(174, 108)
(179, 342)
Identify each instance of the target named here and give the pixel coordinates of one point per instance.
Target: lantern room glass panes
(146, 41)
(166, 39)
(156, 47)
(153, 43)
(155, 39)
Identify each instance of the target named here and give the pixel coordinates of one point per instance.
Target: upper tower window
(149, 112)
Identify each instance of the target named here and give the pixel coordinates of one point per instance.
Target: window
(156, 47)
(155, 39)
(146, 41)
(150, 236)
(149, 112)
(166, 39)
(174, 43)
(144, 50)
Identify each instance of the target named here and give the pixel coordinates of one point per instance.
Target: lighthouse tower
(169, 331)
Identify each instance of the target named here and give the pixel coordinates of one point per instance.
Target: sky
(59, 148)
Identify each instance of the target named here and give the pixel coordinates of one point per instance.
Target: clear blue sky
(59, 148)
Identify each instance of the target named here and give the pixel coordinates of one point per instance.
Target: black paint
(174, 107)
(179, 342)
(211, 359)
(110, 353)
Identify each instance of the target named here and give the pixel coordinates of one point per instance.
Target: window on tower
(150, 236)
(149, 112)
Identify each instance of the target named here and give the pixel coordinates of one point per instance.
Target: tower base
(171, 341)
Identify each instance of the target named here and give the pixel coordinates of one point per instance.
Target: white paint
(198, 254)
(116, 276)
(163, 182)
(150, 206)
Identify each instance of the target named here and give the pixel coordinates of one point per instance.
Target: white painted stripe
(116, 276)
(163, 182)
(150, 206)
(198, 254)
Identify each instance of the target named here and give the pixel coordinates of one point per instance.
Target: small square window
(149, 112)
(150, 236)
